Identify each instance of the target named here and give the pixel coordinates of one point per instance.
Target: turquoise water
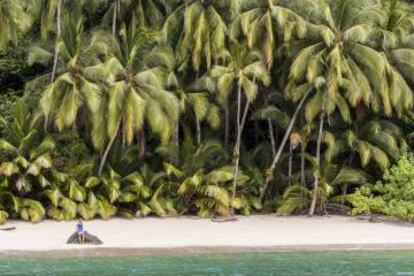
(312, 263)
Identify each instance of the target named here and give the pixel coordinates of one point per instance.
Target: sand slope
(252, 232)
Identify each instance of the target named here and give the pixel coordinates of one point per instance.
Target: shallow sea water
(364, 263)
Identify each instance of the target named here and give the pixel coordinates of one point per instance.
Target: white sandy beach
(260, 232)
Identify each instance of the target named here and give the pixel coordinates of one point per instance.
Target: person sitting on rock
(80, 231)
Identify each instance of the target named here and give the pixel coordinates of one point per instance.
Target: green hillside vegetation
(206, 107)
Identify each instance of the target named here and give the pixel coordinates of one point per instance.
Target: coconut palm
(136, 91)
(339, 49)
(16, 18)
(193, 96)
(243, 71)
(201, 30)
(264, 23)
(72, 90)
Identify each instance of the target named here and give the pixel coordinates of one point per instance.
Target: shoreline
(109, 252)
(189, 235)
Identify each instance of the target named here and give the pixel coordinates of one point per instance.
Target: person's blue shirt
(79, 228)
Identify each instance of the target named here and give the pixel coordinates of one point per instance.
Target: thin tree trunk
(58, 33)
(240, 126)
(114, 17)
(198, 132)
(176, 136)
(226, 124)
(272, 138)
(282, 145)
(109, 146)
(56, 55)
(302, 165)
(344, 192)
(290, 164)
(142, 143)
(318, 164)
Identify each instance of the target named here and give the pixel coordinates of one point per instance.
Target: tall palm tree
(201, 30)
(73, 89)
(264, 23)
(243, 71)
(338, 48)
(135, 91)
(16, 18)
(193, 94)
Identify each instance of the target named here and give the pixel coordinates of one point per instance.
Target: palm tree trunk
(56, 55)
(198, 131)
(240, 126)
(272, 138)
(302, 165)
(290, 164)
(58, 33)
(318, 163)
(109, 146)
(226, 124)
(142, 143)
(282, 145)
(176, 136)
(114, 17)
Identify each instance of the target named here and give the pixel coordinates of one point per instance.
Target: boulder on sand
(89, 239)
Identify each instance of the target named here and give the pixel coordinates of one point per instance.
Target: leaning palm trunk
(282, 145)
(108, 147)
(318, 163)
(272, 138)
(240, 126)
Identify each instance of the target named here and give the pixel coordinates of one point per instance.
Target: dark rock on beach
(89, 239)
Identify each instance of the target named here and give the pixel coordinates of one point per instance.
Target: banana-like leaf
(3, 217)
(144, 209)
(105, 209)
(31, 210)
(171, 170)
(92, 181)
(127, 197)
(76, 191)
(69, 208)
(135, 178)
(54, 195)
(8, 169)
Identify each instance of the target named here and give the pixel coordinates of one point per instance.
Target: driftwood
(89, 239)
(8, 228)
(224, 219)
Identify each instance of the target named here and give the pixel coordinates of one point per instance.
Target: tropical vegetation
(205, 107)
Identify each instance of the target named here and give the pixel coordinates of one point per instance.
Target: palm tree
(264, 23)
(201, 30)
(338, 48)
(324, 88)
(72, 90)
(193, 96)
(243, 70)
(16, 18)
(135, 92)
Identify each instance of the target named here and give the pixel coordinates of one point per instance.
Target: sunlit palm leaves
(339, 48)
(201, 29)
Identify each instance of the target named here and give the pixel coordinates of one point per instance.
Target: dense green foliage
(168, 107)
(392, 196)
